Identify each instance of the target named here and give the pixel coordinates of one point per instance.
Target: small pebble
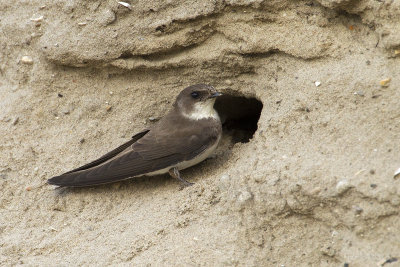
(373, 185)
(357, 209)
(111, 93)
(28, 188)
(82, 23)
(27, 60)
(82, 140)
(385, 82)
(342, 186)
(360, 93)
(59, 95)
(107, 17)
(125, 4)
(397, 52)
(152, 119)
(108, 108)
(372, 171)
(317, 83)
(244, 196)
(396, 173)
(228, 82)
(15, 121)
(37, 19)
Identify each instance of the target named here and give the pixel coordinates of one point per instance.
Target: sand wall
(314, 186)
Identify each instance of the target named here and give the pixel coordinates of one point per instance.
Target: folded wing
(148, 151)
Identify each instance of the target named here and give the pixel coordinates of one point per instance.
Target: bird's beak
(216, 94)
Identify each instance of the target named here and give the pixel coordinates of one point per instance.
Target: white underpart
(189, 163)
(203, 110)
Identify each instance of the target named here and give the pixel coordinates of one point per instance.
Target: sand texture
(315, 185)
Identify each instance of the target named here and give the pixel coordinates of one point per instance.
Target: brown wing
(161, 147)
(187, 143)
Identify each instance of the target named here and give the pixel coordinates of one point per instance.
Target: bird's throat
(202, 110)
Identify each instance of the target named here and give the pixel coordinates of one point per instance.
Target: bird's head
(197, 102)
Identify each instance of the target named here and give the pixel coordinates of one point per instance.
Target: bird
(188, 134)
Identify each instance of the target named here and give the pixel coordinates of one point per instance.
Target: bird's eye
(195, 94)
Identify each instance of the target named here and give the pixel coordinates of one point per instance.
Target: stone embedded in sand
(360, 93)
(357, 209)
(107, 17)
(396, 173)
(385, 82)
(125, 4)
(342, 186)
(37, 19)
(244, 196)
(15, 121)
(27, 60)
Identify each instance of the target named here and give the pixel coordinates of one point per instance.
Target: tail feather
(97, 171)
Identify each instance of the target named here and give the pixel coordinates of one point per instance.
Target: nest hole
(239, 116)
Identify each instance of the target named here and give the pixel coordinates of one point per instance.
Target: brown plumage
(186, 135)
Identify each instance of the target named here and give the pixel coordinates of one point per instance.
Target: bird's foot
(174, 172)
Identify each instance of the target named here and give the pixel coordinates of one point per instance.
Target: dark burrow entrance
(239, 116)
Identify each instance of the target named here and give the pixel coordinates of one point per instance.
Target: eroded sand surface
(314, 186)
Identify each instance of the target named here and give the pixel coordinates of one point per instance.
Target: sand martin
(187, 135)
